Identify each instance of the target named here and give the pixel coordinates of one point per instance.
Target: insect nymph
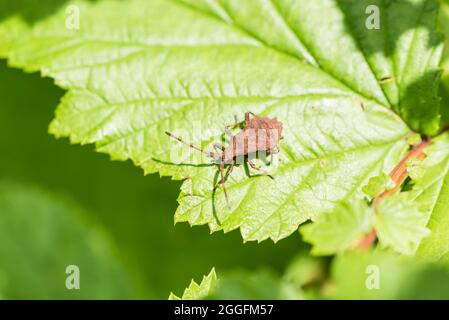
(259, 135)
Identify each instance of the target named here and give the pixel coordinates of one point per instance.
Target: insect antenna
(208, 153)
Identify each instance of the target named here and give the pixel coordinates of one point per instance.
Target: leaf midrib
(188, 102)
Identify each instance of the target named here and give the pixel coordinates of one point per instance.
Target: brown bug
(260, 135)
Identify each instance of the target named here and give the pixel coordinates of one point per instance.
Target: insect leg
(231, 168)
(250, 113)
(222, 182)
(257, 168)
(232, 126)
(226, 176)
(247, 116)
(228, 132)
(228, 128)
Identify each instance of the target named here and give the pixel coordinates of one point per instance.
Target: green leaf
(54, 236)
(340, 229)
(136, 73)
(10, 31)
(199, 291)
(378, 184)
(241, 285)
(431, 194)
(392, 53)
(400, 224)
(443, 26)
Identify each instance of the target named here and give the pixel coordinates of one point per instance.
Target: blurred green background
(130, 212)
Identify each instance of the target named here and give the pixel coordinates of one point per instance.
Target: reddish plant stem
(399, 174)
(366, 242)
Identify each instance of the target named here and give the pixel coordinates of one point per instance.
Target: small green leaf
(262, 284)
(199, 291)
(414, 139)
(378, 184)
(400, 224)
(431, 194)
(339, 229)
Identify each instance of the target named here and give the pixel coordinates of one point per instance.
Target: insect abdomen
(250, 141)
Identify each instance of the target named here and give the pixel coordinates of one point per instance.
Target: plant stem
(399, 174)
